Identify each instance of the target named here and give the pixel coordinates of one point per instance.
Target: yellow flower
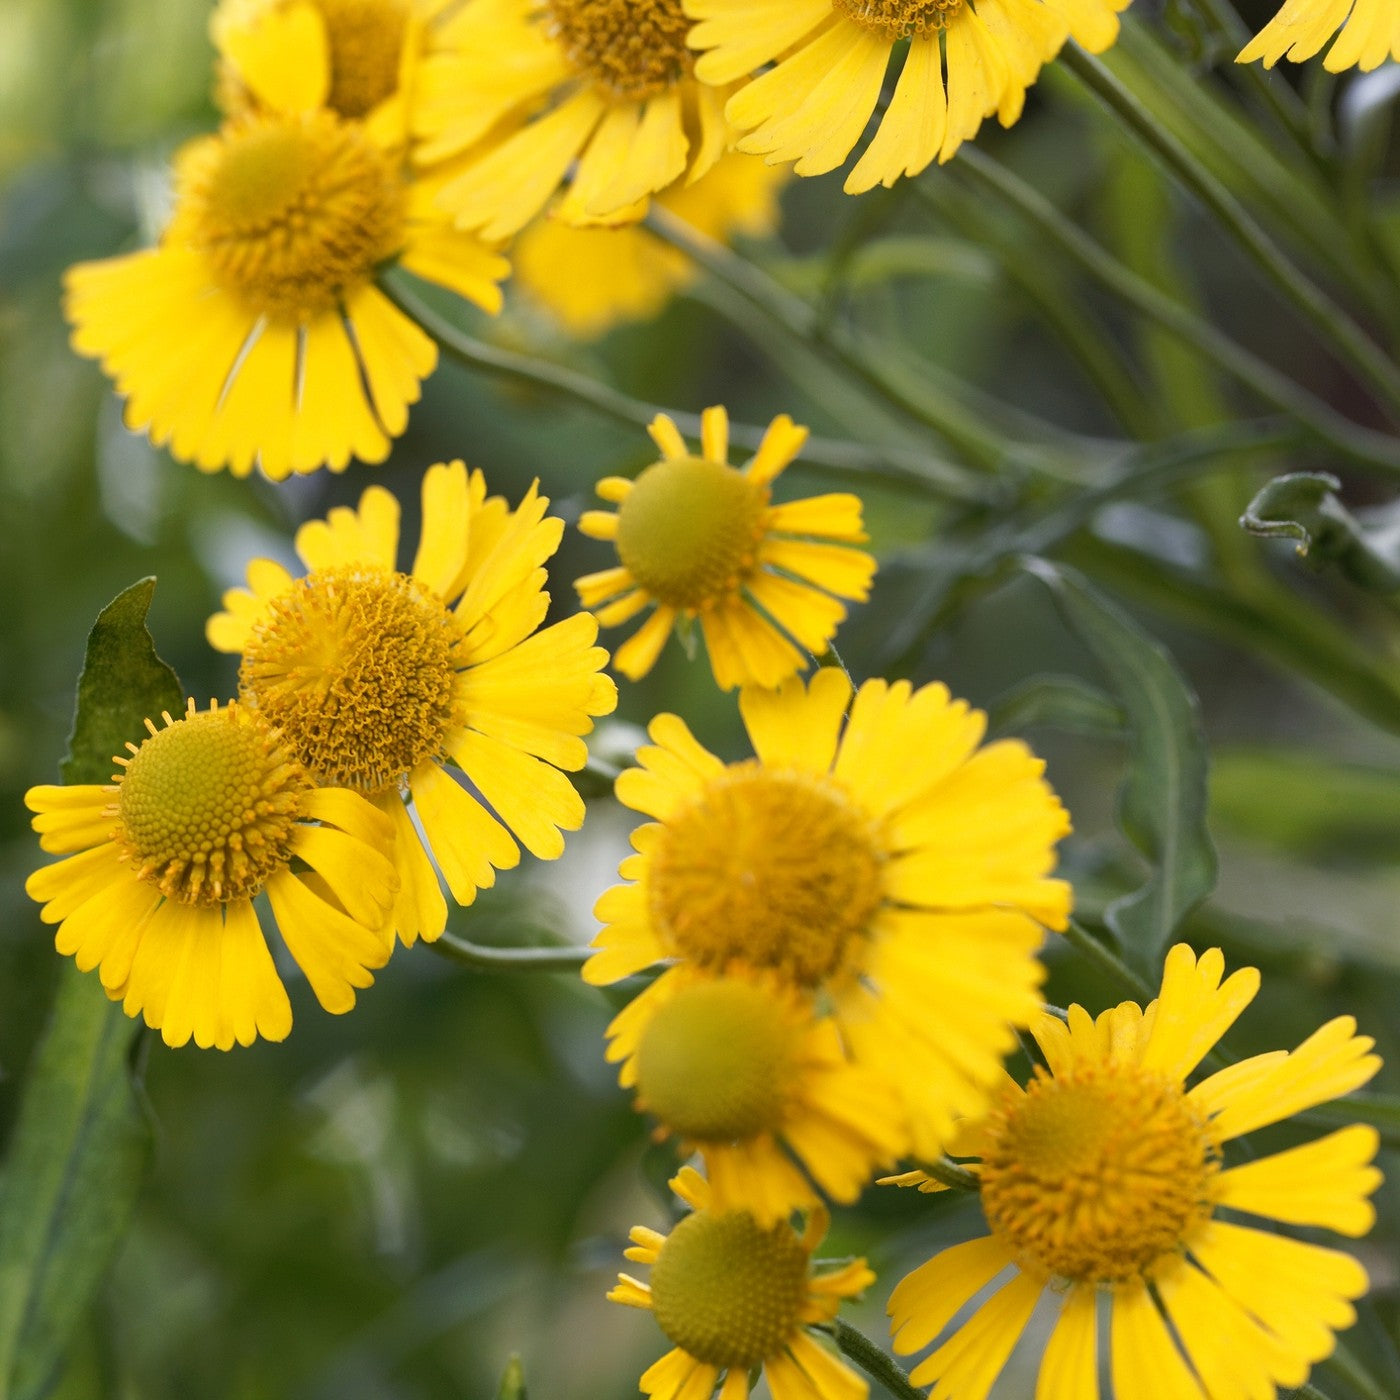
(355, 57)
(744, 1072)
(162, 868)
(1302, 27)
(378, 679)
(1106, 1174)
(591, 278)
(830, 60)
(254, 332)
(514, 92)
(895, 869)
(697, 538)
(734, 1295)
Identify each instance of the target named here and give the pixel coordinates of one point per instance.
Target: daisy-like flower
(355, 57)
(1106, 1174)
(162, 867)
(254, 333)
(591, 278)
(743, 1071)
(514, 92)
(697, 538)
(732, 1295)
(1370, 34)
(379, 679)
(831, 57)
(885, 863)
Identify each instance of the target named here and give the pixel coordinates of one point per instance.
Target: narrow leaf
(76, 1160)
(512, 1380)
(1162, 805)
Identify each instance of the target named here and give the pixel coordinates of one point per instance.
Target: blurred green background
(391, 1202)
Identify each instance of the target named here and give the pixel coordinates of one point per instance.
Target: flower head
(1107, 1173)
(733, 1294)
(885, 863)
(743, 1071)
(591, 278)
(162, 867)
(380, 679)
(697, 538)
(254, 334)
(515, 93)
(1370, 34)
(830, 58)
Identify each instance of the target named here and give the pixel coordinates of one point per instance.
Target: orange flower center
(633, 48)
(901, 19)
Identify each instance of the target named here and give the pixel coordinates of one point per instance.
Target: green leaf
(1056, 702)
(78, 1154)
(1162, 805)
(512, 1380)
(1303, 506)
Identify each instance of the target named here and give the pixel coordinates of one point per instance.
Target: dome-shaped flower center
(689, 529)
(356, 667)
(634, 48)
(208, 806)
(774, 868)
(728, 1292)
(714, 1063)
(900, 19)
(290, 211)
(1099, 1173)
(366, 40)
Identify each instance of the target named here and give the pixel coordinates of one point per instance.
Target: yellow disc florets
(770, 867)
(208, 806)
(1099, 1173)
(689, 531)
(356, 667)
(728, 1292)
(715, 1063)
(366, 39)
(290, 211)
(900, 19)
(633, 48)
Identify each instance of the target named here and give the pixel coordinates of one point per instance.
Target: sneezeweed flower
(380, 679)
(733, 1295)
(355, 57)
(886, 864)
(162, 868)
(744, 1072)
(697, 538)
(514, 92)
(1106, 1174)
(254, 333)
(1370, 34)
(831, 57)
(591, 278)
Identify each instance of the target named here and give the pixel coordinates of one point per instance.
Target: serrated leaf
(1162, 804)
(78, 1153)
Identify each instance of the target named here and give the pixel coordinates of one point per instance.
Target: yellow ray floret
(521, 97)
(1370, 34)
(699, 539)
(160, 871)
(885, 863)
(387, 682)
(735, 1295)
(1105, 1174)
(966, 60)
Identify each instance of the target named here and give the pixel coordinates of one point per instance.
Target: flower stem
(876, 1363)
(848, 460)
(1082, 941)
(483, 959)
(1348, 340)
(949, 1174)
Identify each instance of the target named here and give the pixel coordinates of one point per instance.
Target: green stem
(1350, 342)
(1381, 1111)
(1345, 1366)
(1307, 1391)
(1083, 942)
(1364, 445)
(482, 959)
(847, 460)
(879, 1365)
(951, 1175)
